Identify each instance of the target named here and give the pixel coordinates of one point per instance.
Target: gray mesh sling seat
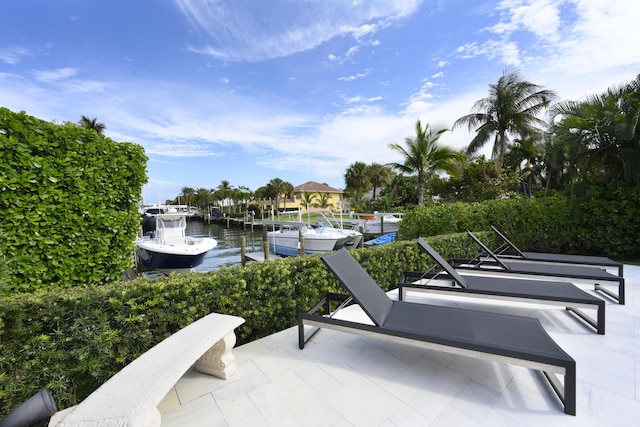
(495, 266)
(508, 251)
(564, 294)
(497, 337)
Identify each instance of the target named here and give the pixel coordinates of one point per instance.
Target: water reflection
(228, 250)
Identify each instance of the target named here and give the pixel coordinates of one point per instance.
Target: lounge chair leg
(301, 341)
(567, 391)
(619, 298)
(598, 325)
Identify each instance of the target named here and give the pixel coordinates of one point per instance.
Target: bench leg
(219, 360)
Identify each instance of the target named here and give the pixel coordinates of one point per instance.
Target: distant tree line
(538, 148)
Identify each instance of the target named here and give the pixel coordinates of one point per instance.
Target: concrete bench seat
(131, 397)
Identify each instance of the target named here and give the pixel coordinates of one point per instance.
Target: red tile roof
(315, 187)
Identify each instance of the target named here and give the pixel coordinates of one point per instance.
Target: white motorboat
(381, 223)
(169, 249)
(319, 238)
(354, 238)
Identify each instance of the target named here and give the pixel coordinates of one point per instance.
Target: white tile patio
(342, 379)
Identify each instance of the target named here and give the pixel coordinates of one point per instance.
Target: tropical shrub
(69, 202)
(72, 340)
(601, 222)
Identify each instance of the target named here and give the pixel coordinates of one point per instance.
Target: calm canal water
(228, 250)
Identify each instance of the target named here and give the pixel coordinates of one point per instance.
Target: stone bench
(131, 397)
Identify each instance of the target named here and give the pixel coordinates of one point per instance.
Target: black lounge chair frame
(577, 274)
(497, 337)
(545, 292)
(510, 251)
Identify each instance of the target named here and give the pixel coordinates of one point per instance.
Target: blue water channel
(227, 252)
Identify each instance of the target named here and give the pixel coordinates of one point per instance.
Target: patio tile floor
(342, 379)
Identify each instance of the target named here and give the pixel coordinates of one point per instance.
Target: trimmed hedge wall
(72, 340)
(604, 222)
(68, 198)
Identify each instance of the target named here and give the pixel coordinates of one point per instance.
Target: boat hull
(153, 255)
(169, 262)
(375, 226)
(287, 243)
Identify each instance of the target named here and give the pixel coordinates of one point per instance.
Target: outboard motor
(38, 408)
(148, 224)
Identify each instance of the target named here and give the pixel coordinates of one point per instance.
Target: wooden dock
(255, 256)
(259, 256)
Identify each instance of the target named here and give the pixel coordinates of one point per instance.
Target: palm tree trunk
(420, 190)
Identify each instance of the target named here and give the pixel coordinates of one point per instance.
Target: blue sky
(251, 90)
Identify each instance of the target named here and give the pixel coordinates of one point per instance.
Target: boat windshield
(169, 222)
(322, 223)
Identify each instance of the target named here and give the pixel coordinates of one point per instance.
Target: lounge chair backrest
(360, 285)
(448, 268)
(508, 242)
(488, 251)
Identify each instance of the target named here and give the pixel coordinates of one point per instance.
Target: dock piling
(243, 250)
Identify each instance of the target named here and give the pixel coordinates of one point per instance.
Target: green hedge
(68, 198)
(72, 340)
(603, 222)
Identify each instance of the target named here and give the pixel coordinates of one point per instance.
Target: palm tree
(307, 200)
(357, 179)
(287, 189)
(558, 166)
(323, 201)
(604, 130)
(511, 108)
(237, 197)
(187, 193)
(223, 192)
(525, 150)
(261, 194)
(386, 202)
(404, 189)
(94, 124)
(277, 187)
(202, 197)
(379, 176)
(423, 156)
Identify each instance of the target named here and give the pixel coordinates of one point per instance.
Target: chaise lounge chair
(576, 274)
(497, 337)
(502, 288)
(510, 252)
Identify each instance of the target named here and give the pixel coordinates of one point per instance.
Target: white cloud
(358, 99)
(239, 32)
(75, 86)
(354, 77)
(14, 55)
(506, 51)
(181, 150)
(576, 39)
(572, 39)
(540, 17)
(360, 31)
(54, 75)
